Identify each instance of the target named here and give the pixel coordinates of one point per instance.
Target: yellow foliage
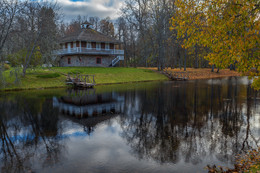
(229, 29)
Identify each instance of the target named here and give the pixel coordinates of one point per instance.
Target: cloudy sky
(101, 8)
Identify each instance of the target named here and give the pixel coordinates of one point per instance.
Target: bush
(6, 67)
(249, 162)
(50, 75)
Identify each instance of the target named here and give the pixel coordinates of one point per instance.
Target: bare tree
(36, 31)
(107, 27)
(95, 22)
(8, 10)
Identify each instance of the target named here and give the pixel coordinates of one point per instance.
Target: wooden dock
(177, 75)
(81, 81)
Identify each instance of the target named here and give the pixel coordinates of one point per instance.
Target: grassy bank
(55, 77)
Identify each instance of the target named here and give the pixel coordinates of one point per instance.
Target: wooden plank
(80, 80)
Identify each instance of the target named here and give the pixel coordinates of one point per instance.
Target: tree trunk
(212, 68)
(185, 59)
(28, 57)
(196, 57)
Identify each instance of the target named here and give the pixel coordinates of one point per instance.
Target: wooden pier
(177, 75)
(81, 81)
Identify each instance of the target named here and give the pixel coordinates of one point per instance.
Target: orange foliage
(204, 73)
(249, 162)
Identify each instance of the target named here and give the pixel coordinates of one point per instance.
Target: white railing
(80, 50)
(116, 60)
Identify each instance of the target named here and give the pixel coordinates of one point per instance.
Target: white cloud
(99, 8)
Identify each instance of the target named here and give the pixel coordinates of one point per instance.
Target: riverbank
(247, 162)
(203, 73)
(42, 78)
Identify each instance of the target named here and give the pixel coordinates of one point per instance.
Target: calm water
(144, 127)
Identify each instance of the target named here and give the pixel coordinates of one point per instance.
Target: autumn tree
(229, 29)
(107, 27)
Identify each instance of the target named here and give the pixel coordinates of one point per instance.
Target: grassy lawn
(55, 77)
(114, 75)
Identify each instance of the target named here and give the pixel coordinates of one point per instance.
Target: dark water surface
(143, 127)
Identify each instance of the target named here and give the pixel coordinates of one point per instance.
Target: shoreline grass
(43, 78)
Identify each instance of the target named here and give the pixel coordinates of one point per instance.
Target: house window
(71, 44)
(98, 46)
(111, 46)
(107, 46)
(93, 44)
(69, 60)
(66, 45)
(99, 60)
(89, 45)
(102, 46)
(83, 44)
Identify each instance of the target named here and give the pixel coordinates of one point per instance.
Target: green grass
(55, 77)
(255, 169)
(49, 75)
(114, 75)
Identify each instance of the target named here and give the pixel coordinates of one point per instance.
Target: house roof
(89, 35)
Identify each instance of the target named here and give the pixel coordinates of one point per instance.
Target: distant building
(90, 48)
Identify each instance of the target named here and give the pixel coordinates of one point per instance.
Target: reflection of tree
(28, 128)
(187, 122)
(11, 158)
(246, 145)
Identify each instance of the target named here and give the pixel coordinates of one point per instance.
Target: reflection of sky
(107, 151)
(108, 148)
(232, 80)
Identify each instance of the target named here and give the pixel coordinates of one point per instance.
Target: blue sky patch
(78, 0)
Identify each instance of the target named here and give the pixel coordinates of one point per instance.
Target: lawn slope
(55, 77)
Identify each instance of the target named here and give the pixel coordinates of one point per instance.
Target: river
(180, 126)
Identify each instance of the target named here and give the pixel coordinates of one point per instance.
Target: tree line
(153, 33)
(30, 31)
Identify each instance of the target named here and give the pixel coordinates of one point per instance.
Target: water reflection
(28, 129)
(192, 121)
(87, 108)
(172, 126)
(85, 103)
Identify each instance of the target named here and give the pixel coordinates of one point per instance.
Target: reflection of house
(88, 105)
(88, 47)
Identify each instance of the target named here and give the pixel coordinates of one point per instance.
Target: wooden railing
(78, 80)
(80, 50)
(116, 60)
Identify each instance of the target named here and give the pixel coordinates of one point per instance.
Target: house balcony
(87, 51)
